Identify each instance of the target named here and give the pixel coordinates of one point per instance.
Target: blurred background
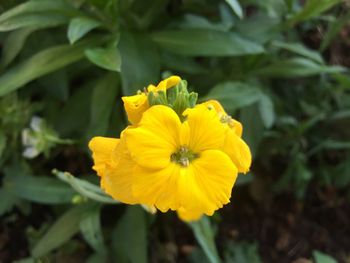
(278, 66)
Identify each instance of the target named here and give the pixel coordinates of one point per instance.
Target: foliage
(70, 61)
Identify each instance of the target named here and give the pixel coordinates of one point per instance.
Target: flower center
(183, 156)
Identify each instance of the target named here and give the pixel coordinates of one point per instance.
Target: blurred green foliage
(270, 63)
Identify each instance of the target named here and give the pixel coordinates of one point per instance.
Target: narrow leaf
(266, 110)
(299, 49)
(102, 104)
(61, 231)
(200, 42)
(8, 200)
(297, 67)
(234, 95)
(34, 6)
(38, 189)
(33, 20)
(140, 65)
(85, 188)
(130, 229)
(311, 9)
(90, 227)
(236, 7)
(107, 58)
(204, 234)
(79, 27)
(42, 63)
(13, 45)
(322, 257)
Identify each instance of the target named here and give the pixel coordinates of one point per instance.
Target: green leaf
(61, 231)
(141, 65)
(38, 189)
(242, 252)
(80, 26)
(297, 67)
(320, 257)
(37, 6)
(42, 63)
(13, 45)
(8, 200)
(204, 234)
(90, 227)
(40, 13)
(234, 95)
(85, 188)
(72, 119)
(33, 20)
(299, 49)
(3, 140)
(253, 126)
(312, 9)
(182, 64)
(25, 260)
(266, 110)
(130, 229)
(102, 104)
(107, 58)
(334, 29)
(236, 7)
(201, 42)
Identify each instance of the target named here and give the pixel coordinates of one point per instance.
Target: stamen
(227, 119)
(183, 156)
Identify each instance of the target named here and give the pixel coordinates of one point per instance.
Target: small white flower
(30, 152)
(36, 123)
(27, 138)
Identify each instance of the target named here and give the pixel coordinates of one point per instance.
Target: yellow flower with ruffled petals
(180, 165)
(137, 104)
(182, 158)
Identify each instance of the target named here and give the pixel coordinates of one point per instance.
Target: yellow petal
(233, 124)
(216, 105)
(208, 183)
(238, 151)
(237, 127)
(206, 130)
(188, 216)
(102, 148)
(135, 106)
(156, 138)
(168, 83)
(118, 178)
(157, 187)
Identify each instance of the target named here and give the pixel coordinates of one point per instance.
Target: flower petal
(236, 126)
(216, 105)
(168, 83)
(206, 130)
(213, 178)
(238, 151)
(188, 216)
(156, 138)
(135, 106)
(118, 177)
(157, 187)
(102, 148)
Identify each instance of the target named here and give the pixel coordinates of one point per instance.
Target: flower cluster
(175, 155)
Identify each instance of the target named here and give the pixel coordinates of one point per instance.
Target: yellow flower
(114, 165)
(185, 161)
(234, 145)
(180, 165)
(137, 104)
